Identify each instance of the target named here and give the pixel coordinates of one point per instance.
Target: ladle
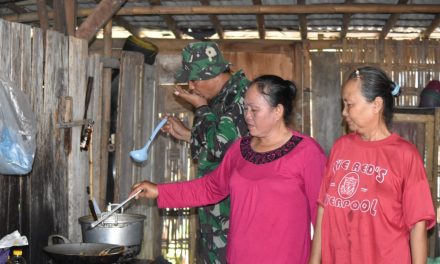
(141, 155)
(104, 217)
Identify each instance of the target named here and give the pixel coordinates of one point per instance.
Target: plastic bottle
(17, 257)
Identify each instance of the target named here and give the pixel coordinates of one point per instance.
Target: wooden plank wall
(412, 64)
(51, 198)
(137, 116)
(325, 99)
(14, 196)
(280, 63)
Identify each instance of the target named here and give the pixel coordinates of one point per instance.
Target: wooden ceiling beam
(345, 21)
(302, 18)
(169, 20)
(214, 21)
(135, 31)
(102, 13)
(226, 45)
(172, 25)
(16, 8)
(260, 22)
(434, 24)
(266, 9)
(391, 22)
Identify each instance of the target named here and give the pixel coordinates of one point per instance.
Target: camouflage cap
(201, 61)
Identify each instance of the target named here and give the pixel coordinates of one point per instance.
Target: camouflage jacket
(218, 124)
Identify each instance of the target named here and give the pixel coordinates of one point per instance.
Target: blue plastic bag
(17, 131)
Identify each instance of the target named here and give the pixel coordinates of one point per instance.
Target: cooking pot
(82, 253)
(120, 228)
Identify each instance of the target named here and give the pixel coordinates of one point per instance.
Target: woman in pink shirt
(375, 203)
(272, 177)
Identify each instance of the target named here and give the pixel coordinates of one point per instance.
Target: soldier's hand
(177, 129)
(194, 99)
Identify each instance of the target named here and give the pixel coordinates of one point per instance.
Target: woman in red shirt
(375, 201)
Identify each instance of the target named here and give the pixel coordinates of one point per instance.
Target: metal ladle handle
(97, 222)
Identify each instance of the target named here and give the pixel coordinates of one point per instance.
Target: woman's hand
(149, 190)
(194, 99)
(177, 129)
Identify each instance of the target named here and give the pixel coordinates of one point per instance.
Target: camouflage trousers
(213, 229)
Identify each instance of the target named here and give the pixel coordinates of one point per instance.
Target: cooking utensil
(86, 132)
(141, 155)
(107, 215)
(82, 253)
(122, 229)
(93, 205)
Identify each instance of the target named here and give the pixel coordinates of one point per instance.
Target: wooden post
(71, 10)
(60, 16)
(106, 105)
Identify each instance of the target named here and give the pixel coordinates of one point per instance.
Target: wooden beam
(266, 9)
(71, 10)
(16, 8)
(98, 18)
(60, 23)
(391, 22)
(388, 26)
(42, 15)
(260, 22)
(214, 21)
(345, 21)
(302, 21)
(172, 25)
(135, 31)
(434, 24)
(169, 20)
(255, 45)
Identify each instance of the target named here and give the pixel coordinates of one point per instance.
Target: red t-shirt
(373, 193)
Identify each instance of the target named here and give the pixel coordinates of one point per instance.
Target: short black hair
(277, 91)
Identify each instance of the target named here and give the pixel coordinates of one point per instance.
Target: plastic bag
(17, 131)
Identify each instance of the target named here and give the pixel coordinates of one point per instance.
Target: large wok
(83, 253)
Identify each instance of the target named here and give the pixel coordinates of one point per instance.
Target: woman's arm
(419, 243)
(315, 255)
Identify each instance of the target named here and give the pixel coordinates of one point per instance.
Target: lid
(116, 218)
(17, 252)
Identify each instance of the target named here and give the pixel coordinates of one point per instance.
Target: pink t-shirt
(373, 193)
(273, 199)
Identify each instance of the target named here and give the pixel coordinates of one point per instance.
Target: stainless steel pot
(121, 229)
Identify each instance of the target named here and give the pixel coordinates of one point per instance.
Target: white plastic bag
(17, 131)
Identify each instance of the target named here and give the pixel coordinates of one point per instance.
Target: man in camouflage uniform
(217, 96)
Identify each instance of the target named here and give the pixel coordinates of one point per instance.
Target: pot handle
(51, 240)
(112, 250)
